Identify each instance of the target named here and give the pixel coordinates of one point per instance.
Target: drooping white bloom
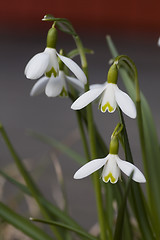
(47, 63)
(110, 96)
(113, 166)
(158, 42)
(55, 86)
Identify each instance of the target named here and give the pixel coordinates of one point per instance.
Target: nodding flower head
(112, 166)
(110, 96)
(46, 62)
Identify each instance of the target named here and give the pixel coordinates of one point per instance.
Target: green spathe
(112, 74)
(52, 38)
(114, 145)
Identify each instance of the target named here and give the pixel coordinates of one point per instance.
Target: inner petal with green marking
(48, 74)
(107, 105)
(64, 92)
(109, 176)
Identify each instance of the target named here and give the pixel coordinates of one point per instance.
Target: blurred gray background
(20, 113)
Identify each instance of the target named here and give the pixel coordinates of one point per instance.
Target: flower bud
(52, 38)
(114, 145)
(113, 74)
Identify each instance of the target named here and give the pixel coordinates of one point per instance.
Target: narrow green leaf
(73, 229)
(152, 151)
(75, 52)
(22, 224)
(20, 186)
(28, 179)
(60, 146)
(137, 197)
(121, 212)
(53, 210)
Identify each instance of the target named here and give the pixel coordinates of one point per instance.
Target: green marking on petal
(109, 176)
(48, 74)
(63, 92)
(107, 105)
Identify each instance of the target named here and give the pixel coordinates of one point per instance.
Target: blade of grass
(152, 151)
(59, 224)
(60, 146)
(138, 200)
(53, 210)
(75, 52)
(28, 179)
(22, 224)
(121, 212)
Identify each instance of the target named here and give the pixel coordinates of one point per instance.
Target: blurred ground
(53, 116)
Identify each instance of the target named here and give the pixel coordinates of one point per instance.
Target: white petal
(111, 171)
(125, 103)
(76, 83)
(53, 61)
(108, 101)
(158, 42)
(54, 86)
(39, 86)
(37, 66)
(87, 98)
(92, 86)
(74, 68)
(89, 168)
(128, 167)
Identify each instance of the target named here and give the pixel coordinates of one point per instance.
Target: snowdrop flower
(110, 96)
(55, 86)
(46, 62)
(158, 43)
(113, 166)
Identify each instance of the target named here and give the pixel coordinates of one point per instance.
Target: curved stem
(125, 58)
(139, 114)
(92, 138)
(84, 140)
(117, 129)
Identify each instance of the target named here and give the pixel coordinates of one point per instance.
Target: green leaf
(60, 146)
(28, 179)
(22, 224)
(138, 201)
(151, 150)
(22, 187)
(75, 52)
(73, 229)
(121, 212)
(53, 210)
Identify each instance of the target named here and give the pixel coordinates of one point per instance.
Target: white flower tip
(133, 113)
(74, 68)
(128, 167)
(158, 43)
(74, 106)
(139, 178)
(89, 168)
(31, 93)
(76, 176)
(37, 66)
